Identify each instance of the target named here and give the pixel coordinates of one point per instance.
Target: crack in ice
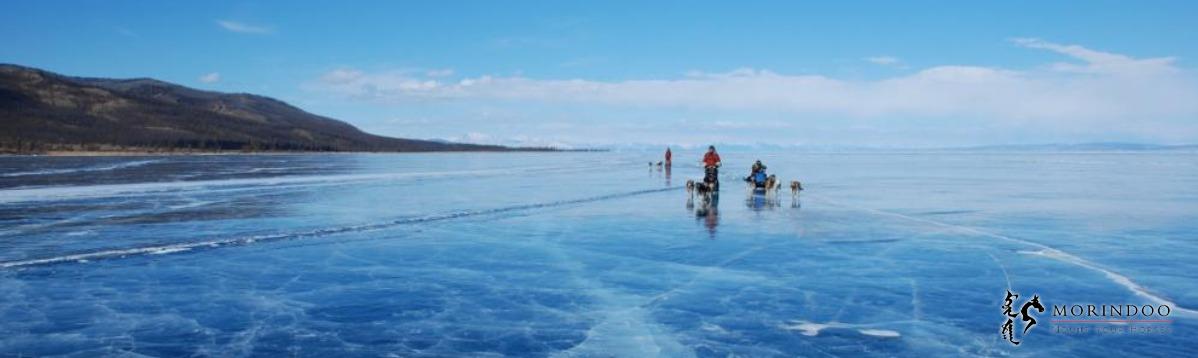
(174, 248)
(1044, 251)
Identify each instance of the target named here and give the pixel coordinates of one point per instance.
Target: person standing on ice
(711, 167)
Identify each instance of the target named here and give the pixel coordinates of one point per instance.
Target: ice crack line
(181, 247)
(1044, 251)
(57, 193)
(114, 166)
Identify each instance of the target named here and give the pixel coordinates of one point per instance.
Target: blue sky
(614, 73)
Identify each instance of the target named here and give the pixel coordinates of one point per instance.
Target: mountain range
(42, 111)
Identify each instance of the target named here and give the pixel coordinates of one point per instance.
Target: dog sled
(708, 187)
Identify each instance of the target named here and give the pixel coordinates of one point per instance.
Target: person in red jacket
(668, 155)
(711, 159)
(711, 166)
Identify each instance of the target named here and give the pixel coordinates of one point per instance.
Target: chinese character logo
(1008, 328)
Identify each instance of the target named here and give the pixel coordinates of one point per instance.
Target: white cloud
(1097, 62)
(210, 78)
(439, 72)
(244, 28)
(883, 60)
(769, 124)
(409, 121)
(341, 76)
(474, 137)
(1098, 90)
(515, 141)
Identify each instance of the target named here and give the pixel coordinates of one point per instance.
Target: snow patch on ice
(169, 250)
(812, 329)
(713, 328)
(808, 328)
(882, 333)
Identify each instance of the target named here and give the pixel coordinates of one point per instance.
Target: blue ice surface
(589, 254)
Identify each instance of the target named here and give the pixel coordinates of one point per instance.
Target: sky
(684, 73)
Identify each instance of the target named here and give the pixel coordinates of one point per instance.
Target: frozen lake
(590, 254)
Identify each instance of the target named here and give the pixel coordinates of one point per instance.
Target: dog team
(757, 180)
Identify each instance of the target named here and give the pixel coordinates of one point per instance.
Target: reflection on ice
(708, 212)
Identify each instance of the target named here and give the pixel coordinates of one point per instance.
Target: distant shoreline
(140, 153)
